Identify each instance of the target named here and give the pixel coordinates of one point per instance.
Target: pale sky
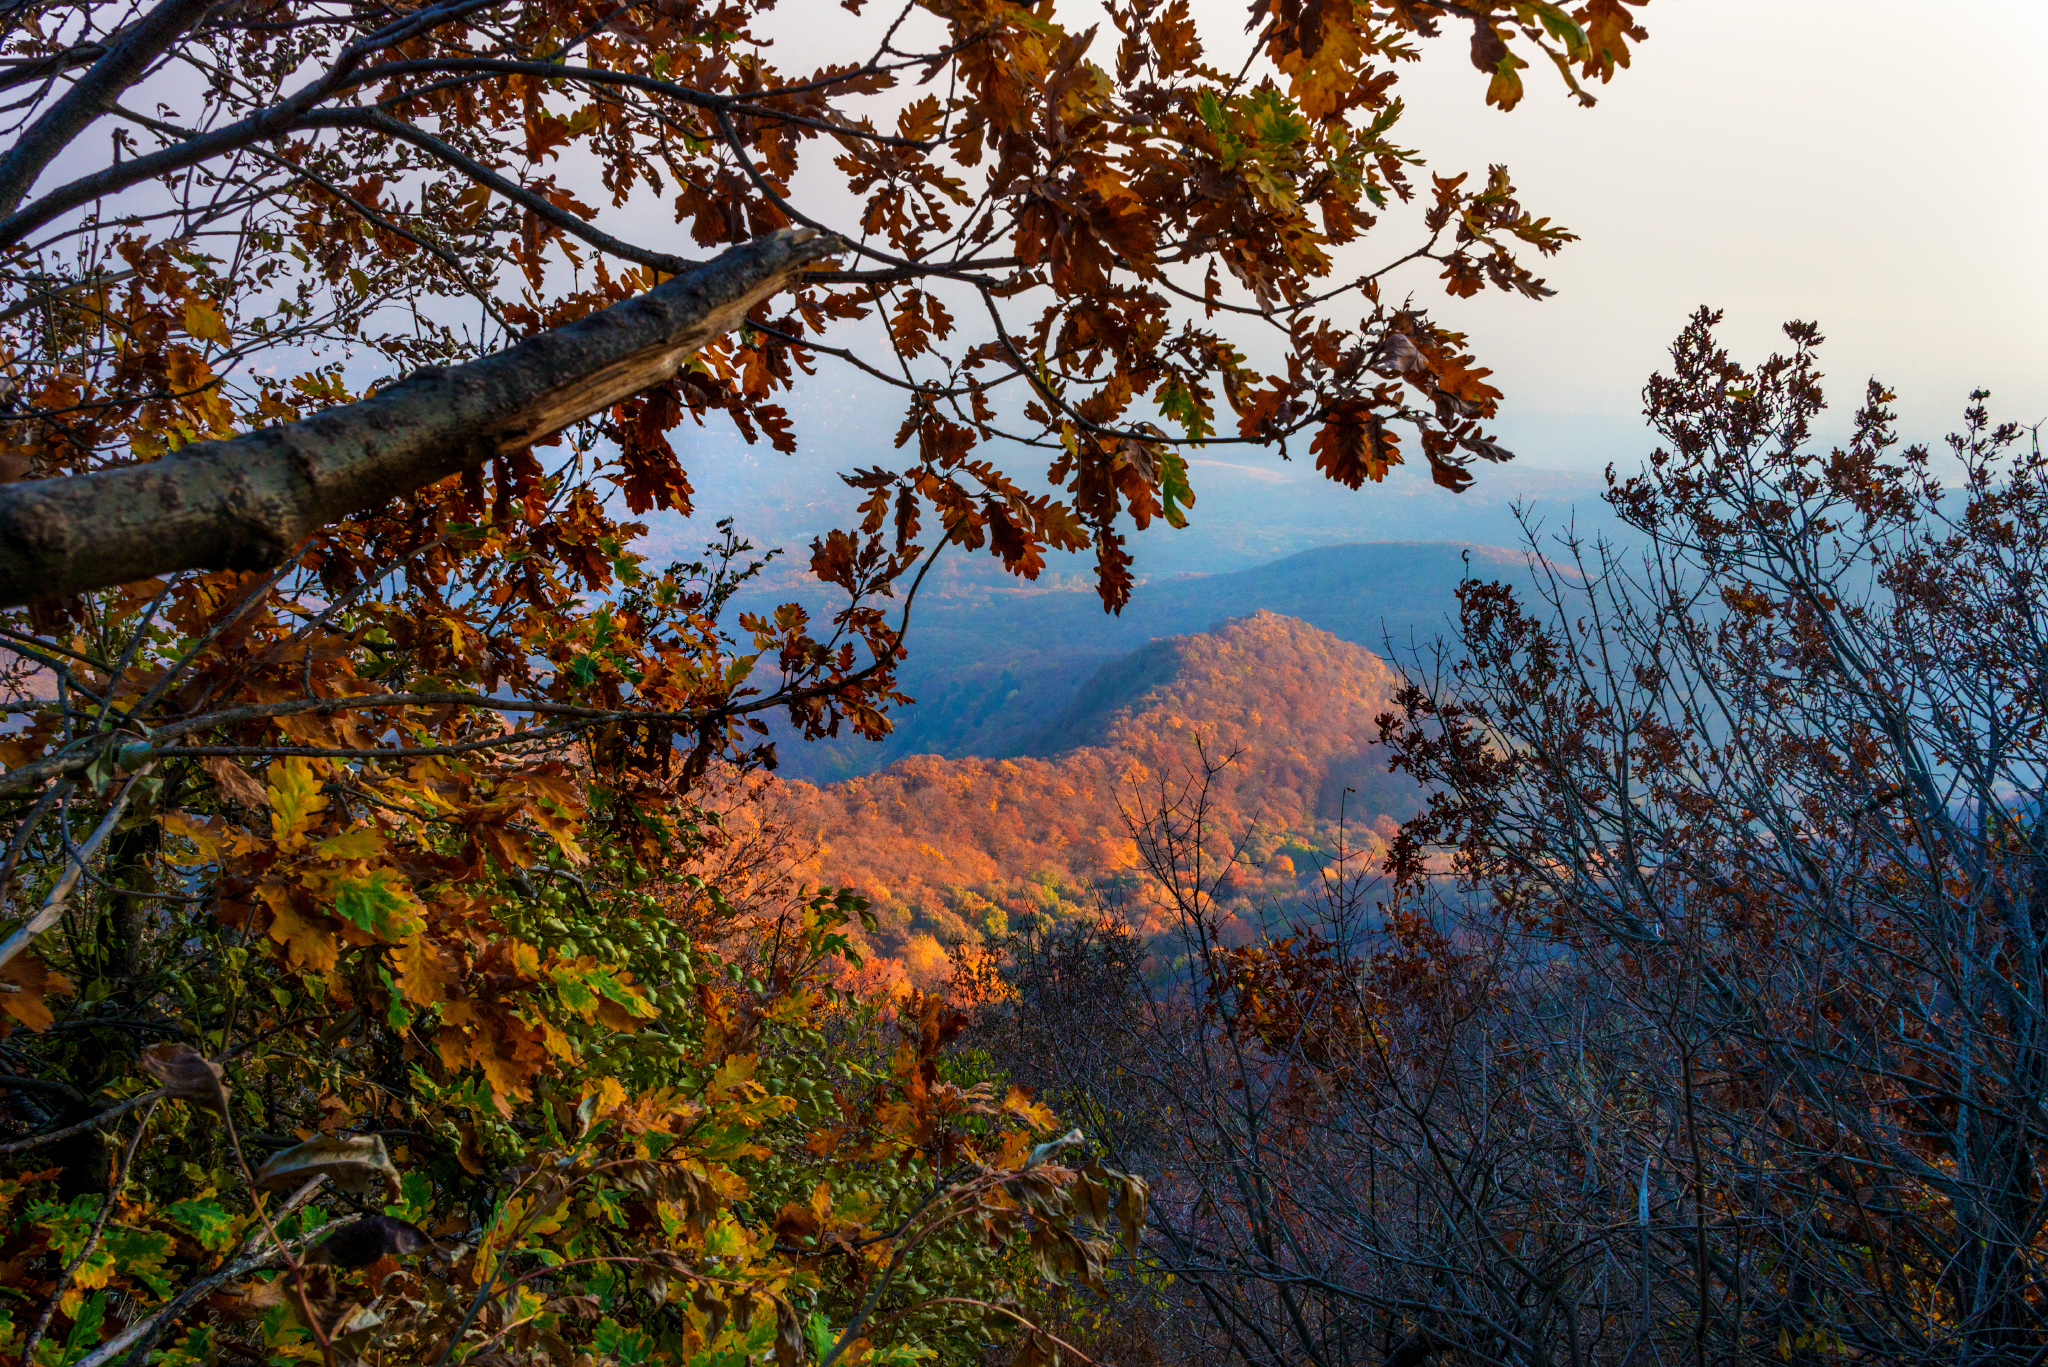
(1879, 166)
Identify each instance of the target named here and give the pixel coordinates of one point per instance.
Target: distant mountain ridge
(998, 672)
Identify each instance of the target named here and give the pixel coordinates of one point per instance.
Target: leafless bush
(1701, 1017)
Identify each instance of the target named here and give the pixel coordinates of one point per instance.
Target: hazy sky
(1878, 166)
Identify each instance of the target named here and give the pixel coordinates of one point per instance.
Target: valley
(997, 669)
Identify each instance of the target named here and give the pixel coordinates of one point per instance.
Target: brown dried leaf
(355, 1163)
(234, 782)
(789, 1336)
(185, 1073)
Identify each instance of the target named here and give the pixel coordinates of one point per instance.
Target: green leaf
(415, 1198)
(1562, 27)
(139, 1255)
(206, 1221)
(1276, 122)
(616, 1343)
(1180, 403)
(1174, 492)
(397, 1014)
(739, 669)
(84, 1335)
(819, 1331)
(380, 904)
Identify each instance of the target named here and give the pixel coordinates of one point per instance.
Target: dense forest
(961, 851)
(447, 923)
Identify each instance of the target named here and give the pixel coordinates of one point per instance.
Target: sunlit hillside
(992, 661)
(953, 849)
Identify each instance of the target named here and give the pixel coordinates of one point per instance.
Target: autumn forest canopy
(417, 952)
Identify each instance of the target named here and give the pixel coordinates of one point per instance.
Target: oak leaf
(33, 982)
(295, 800)
(425, 975)
(380, 903)
(185, 1073)
(308, 945)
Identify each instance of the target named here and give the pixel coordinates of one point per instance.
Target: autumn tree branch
(124, 64)
(244, 503)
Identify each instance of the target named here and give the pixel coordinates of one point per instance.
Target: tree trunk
(245, 503)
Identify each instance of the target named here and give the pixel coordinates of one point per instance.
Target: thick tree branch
(244, 503)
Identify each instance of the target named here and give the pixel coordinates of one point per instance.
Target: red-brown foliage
(954, 850)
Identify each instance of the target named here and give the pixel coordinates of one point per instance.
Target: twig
(11, 1083)
(294, 1269)
(91, 1122)
(53, 906)
(997, 1309)
(26, 830)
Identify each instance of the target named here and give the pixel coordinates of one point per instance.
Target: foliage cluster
(569, 1131)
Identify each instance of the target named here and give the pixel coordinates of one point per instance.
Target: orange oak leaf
(32, 982)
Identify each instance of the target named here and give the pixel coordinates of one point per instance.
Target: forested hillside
(964, 849)
(992, 666)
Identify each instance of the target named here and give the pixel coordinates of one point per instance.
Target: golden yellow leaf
(1020, 1104)
(308, 946)
(610, 1094)
(204, 833)
(295, 800)
(203, 320)
(364, 842)
(424, 973)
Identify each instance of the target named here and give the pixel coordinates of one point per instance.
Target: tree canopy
(375, 917)
(1055, 252)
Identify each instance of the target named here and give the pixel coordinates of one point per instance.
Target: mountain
(996, 669)
(960, 849)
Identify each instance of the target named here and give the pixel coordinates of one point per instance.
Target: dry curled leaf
(1049, 1150)
(185, 1073)
(356, 1163)
(789, 1336)
(233, 781)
